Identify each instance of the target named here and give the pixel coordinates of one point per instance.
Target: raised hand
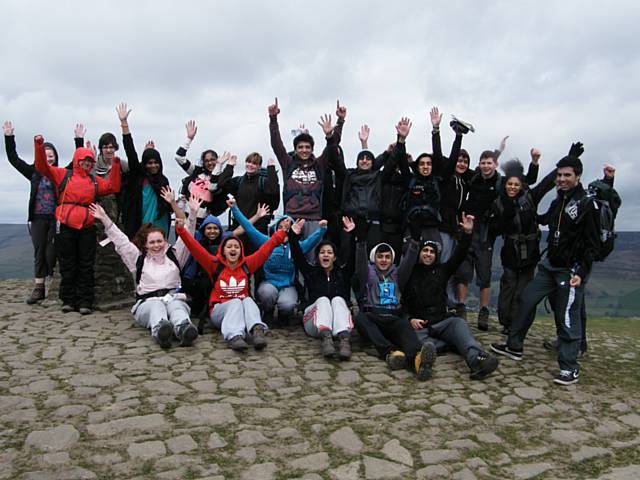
(575, 281)
(179, 223)
(263, 210)
(363, 135)
(80, 130)
(503, 143)
(92, 147)
(609, 170)
(535, 155)
(38, 139)
(297, 226)
(325, 123)
(341, 111)
(167, 194)
(403, 127)
(123, 112)
(271, 162)
(436, 117)
(303, 128)
(98, 212)
(233, 159)
(191, 129)
(274, 109)
(7, 127)
(467, 223)
(323, 223)
(348, 224)
(195, 202)
(150, 144)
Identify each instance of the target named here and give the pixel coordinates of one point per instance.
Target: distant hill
(613, 289)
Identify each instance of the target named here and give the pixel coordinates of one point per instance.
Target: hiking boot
(326, 346)
(344, 346)
(424, 361)
(461, 310)
(483, 319)
(567, 377)
(551, 345)
(187, 334)
(238, 344)
(396, 360)
(37, 294)
(460, 126)
(164, 334)
(259, 340)
(503, 349)
(482, 366)
(66, 308)
(85, 311)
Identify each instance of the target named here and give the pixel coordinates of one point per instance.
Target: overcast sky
(545, 73)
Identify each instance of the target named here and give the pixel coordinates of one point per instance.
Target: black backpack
(606, 202)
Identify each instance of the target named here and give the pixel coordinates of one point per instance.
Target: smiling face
(86, 164)
(326, 257)
(209, 161)
(488, 167)
(251, 167)
(156, 243)
(428, 255)
(152, 166)
(231, 251)
(566, 178)
(383, 261)
(365, 162)
(513, 187)
(462, 165)
(211, 231)
(51, 156)
(304, 150)
(425, 166)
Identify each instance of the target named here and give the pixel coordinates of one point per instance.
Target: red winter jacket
(231, 282)
(80, 192)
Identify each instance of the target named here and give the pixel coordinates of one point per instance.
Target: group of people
(402, 237)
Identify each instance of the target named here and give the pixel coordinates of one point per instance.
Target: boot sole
(428, 355)
(164, 336)
(189, 336)
(488, 367)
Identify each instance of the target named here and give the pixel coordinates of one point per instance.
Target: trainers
(344, 346)
(238, 344)
(460, 126)
(461, 310)
(187, 334)
(37, 294)
(503, 349)
(85, 311)
(259, 340)
(396, 360)
(66, 308)
(326, 345)
(567, 377)
(424, 361)
(483, 319)
(482, 366)
(164, 334)
(551, 345)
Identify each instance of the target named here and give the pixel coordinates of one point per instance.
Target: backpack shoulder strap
(64, 182)
(171, 255)
(139, 265)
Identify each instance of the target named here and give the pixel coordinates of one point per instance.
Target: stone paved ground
(84, 398)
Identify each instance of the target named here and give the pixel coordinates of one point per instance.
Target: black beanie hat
(50, 146)
(367, 154)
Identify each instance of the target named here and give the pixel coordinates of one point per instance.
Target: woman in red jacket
(232, 309)
(75, 238)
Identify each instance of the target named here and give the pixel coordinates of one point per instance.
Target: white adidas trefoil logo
(233, 287)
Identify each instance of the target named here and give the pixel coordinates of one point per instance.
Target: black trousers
(387, 333)
(512, 284)
(76, 250)
(44, 253)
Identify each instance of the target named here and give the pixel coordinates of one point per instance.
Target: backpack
(429, 210)
(606, 202)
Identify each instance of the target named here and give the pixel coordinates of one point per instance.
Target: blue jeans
(455, 332)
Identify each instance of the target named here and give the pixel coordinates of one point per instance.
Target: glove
(576, 149)
(415, 231)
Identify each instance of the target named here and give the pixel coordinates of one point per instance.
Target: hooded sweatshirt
(80, 191)
(231, 282)
(279, 269)
(191, 269)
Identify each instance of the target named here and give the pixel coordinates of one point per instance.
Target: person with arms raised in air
(205, 178)
(142, 201)
(232, 310)
(514, 216)
(327, 282)
(572, 246)
(160, 305)
(303, 173)
(279, 285)
(41, 213)
(425, 300)
(75, 238)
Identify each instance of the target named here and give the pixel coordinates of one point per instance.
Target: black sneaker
(36, 295)
(238, 344)
(326, 346)
(483, 319)
(424, 361)
(344, 346)
(502, 349)
(482, 366)
(187, 334)
(551, 345)
(567, 377)
(259, 340)
(460, 126)
(66, 308)
(165, 332)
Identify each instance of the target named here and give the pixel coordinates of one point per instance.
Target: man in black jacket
(572, 245)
